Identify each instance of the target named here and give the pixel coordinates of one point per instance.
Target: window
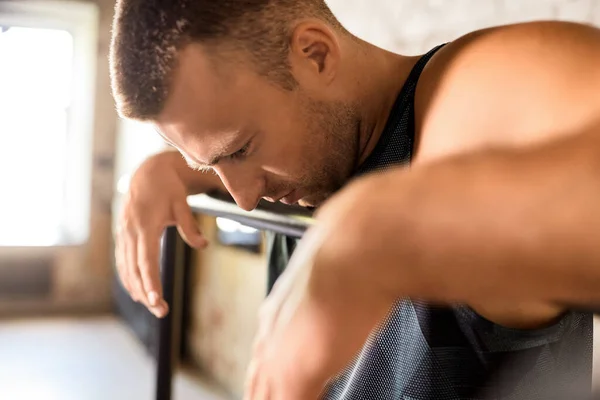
(35, 82)
(46, 105)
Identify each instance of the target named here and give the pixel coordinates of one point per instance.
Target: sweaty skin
(507, 138)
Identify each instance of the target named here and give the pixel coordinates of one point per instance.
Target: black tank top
(427, 352)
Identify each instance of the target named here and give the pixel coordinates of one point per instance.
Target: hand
(317, 318)
(157, 198)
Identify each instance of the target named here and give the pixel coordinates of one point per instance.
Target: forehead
(198, 93)
(214, 101)
(205, 102)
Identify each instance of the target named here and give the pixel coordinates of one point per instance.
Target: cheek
(281, 160)
(282, 152)
(285, 147)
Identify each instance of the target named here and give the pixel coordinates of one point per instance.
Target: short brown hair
(148, 34)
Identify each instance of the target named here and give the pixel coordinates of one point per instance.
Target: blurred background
(67, 329)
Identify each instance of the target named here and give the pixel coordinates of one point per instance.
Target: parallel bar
(289, 221)
(165, 356)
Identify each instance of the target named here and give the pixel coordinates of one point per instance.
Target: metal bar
(288, 221)
(169, 327)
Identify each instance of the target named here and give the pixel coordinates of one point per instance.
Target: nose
(246, 191)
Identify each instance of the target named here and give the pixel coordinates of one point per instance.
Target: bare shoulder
(550, 47)
(509, 85)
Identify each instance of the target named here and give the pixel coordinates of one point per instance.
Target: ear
(315, 51)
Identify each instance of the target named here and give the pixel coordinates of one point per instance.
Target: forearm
(521, 225)
(195, 181)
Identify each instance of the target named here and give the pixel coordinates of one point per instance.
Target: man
(454, 279)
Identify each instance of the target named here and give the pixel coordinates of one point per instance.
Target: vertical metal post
(172, 269)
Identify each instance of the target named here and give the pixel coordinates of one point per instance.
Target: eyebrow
(222, 153)
(216, 158)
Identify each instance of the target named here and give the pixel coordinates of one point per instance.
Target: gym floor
(82, 359)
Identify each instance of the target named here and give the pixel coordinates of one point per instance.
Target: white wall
(415, 26)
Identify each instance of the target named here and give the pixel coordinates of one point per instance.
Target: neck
(380, 75)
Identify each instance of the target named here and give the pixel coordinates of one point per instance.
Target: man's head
(257, 90)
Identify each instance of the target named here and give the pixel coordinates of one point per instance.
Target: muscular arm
(491, 229)
(501, 208)
(523, 223)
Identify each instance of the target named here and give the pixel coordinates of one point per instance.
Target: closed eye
(241, 153)
(198, 167)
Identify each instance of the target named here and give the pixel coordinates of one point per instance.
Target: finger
(120, 259)
(188, 226)
(124, 269)
(262, 390)
(133, 275)
(161, 310)
(148, 247)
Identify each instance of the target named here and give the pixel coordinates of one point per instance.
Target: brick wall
(414, 26)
